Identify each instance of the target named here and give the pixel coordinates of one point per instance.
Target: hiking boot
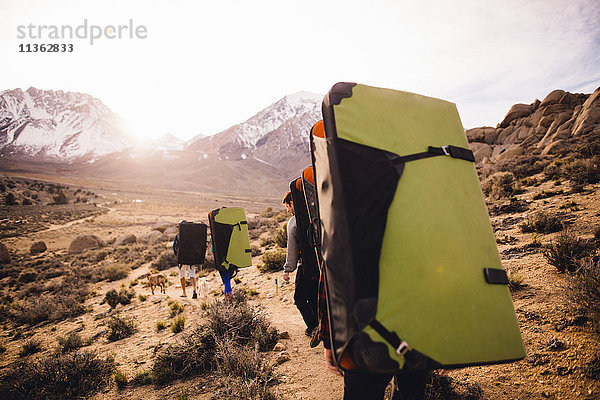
(314, 337)
(194, 296)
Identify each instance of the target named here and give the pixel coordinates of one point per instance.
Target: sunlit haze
(205, 66)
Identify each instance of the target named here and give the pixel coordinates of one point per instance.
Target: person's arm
(331, 362)
(293, 252)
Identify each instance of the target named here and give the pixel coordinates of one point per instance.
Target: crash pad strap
(495, 276)
(452, 151)
(390, 337)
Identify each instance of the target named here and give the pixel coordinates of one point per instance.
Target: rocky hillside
(551, 126)
(56, 125)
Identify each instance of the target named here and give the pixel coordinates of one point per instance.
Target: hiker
(306, 291)
(189, 270)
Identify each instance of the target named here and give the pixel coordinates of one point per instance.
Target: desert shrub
(45, 379)
(2, 348)
(165, 261)
(10, 200)
(552, 171)
(542, 222)
(142, 378)
(120, 378)
(142, 297)
(281, 237)
(249, 377)
(273, 260)
(175, 308)
(112, 297)
(231, 319)
(160, 325)
(47, 308)
(115, 272)
(513, 206)
(28, 276)
(255, 250)
(566, 252)
(592, 369)
(597, 233)
(545, 194)
(524, 166)
(443, 387)
(194, 355)
(61, 198)
(26, 202)
(30, 347)
(500, 185)
(120, 328)
(178, 324)
(234, 318)
(583, 171)
(70, 342)
(268, 212)
(585, 291)
(515, 281)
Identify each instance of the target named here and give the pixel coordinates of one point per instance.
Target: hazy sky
(206, 65)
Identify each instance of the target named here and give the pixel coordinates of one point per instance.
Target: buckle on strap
(446, 150)
(403, 348)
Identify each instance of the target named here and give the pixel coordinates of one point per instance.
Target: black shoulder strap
(452, 151)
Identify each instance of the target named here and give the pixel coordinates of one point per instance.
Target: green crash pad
(406, 241)
(230, 241)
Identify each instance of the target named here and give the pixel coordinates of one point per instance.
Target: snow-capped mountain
(277, 135)
(57, 125)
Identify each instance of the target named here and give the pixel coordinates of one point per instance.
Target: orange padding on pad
(299, 184)
(318, 129)
(308, 175)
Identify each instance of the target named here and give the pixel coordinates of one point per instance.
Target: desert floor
(559, 349)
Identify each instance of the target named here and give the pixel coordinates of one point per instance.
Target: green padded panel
(239, 243)
(438, 237)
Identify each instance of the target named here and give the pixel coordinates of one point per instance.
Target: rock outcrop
(85, 242)
(38, 247)
(4, 254)
(542, 126)
(127, 239)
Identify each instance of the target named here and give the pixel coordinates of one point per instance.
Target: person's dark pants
(360, 385)
(306, 298)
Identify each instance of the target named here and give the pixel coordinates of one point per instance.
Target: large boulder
(481, 151)
(85, 242)
(161, 226)
(4, 254)
(515, 112)
(38, 247)
(152, 237)
(171, 231)
(127, 239)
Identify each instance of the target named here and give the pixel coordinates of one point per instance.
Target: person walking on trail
(306, 291)
(189, 270)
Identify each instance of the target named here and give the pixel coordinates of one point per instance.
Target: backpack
(230, 240)
(414, 278)
(309, 268)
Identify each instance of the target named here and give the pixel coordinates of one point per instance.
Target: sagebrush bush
(582, 172)
(70, 342)
(566, 252)
(30, 347)
(45, 379)
(113, 298)
(500, 185)
(47, 308)
(542, 222)
(231, 319)
(194, 355)
(443, 387)
(165, 261)
(120, 328)
(273, 260)
(160, 325)
(281, 237)
(114, 272)
(585, 291)
(175, 308)
(178, 324)
(120, 378)
(515, 281)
